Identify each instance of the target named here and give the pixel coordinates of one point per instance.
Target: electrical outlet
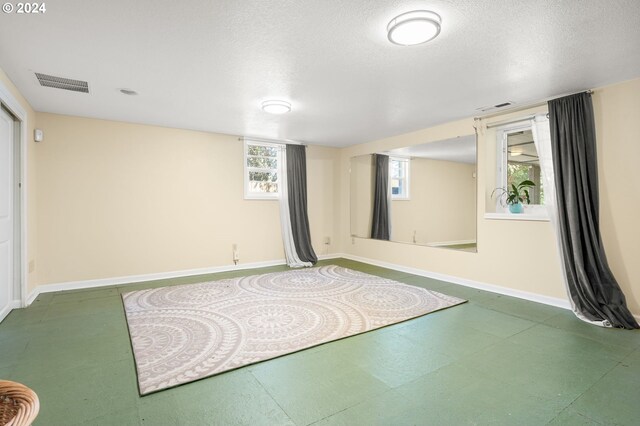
(327, 240)
(32, 265)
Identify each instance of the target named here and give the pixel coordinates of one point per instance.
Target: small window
(262, 163)
(399, 177)
(518, 161)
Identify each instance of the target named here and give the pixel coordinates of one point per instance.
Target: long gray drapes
(297, 188)
(380, 223)
(592, 287)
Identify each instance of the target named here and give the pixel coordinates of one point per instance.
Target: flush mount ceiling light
(276, 107)
(415, 27)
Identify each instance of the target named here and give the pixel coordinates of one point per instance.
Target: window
(518, 161)
(262, 163)
(399, 177)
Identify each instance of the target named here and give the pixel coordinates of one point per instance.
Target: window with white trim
(518, 161)
(399, 178)
(262, 170)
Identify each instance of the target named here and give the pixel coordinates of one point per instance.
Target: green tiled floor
(494, 360)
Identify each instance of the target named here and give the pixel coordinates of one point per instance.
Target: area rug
(184, 333)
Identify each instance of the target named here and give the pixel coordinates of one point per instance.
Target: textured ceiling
(460, 150)
(207, 65)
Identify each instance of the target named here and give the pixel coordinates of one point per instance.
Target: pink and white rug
(184, 333)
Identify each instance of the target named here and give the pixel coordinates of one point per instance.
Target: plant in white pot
(514, 195)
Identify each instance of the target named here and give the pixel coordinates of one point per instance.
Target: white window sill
(539, 217)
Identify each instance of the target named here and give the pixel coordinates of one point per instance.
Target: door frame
(11, 103)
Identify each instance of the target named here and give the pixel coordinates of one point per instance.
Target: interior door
(6, 212)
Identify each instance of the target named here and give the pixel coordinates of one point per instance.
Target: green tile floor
(494, 360)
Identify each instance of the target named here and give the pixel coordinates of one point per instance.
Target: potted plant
(515, 195)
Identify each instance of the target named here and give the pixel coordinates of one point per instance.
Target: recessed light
(276, 107)
(128, 92)
(415, 27)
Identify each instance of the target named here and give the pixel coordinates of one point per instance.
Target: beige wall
(495, 262)
(118, 199)
(617, 114)
(31, 184)
(442, 205)
(108, 199)
(617, 108)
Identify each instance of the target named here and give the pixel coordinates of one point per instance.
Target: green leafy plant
(515, 193)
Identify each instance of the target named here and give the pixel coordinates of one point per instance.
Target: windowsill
(538, 217)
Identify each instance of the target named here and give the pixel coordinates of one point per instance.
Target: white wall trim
(538, 217)
(16, 108)
(547, 300)
(132, 279)
(449, 243)
(14, 304)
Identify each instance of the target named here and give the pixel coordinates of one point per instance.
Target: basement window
(399, 177)
(518, 161)
(262, 170)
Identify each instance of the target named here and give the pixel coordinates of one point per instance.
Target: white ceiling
(207, 65)
(460, 150)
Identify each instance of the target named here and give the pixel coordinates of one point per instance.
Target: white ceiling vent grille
(63, 83)
(494, 107)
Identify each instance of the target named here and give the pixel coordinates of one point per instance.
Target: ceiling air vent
(493, 107)
(63, 83)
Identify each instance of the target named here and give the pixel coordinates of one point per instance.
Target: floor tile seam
(431, 350)
(81, 290)
(89, 421)
(594, 340)
(517, 316)
(65, 371)
(493, 334)
(83, 299)
(369, 398)
(630, 354)
(578, 413)
(257, 380)
(634, 347)
(591, 387)
(474, 352)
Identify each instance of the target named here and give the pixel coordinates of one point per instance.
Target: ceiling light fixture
(415, 27)
(276, 107)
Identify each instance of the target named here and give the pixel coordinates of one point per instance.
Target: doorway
(10, 212)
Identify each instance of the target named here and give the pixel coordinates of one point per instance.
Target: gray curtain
(297, 186)
(592, 287)
(380, 223)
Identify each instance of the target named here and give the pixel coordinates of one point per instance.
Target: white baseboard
(15, 304)
(449, 243)
(532, 297)
(547, 300)
(131, 279)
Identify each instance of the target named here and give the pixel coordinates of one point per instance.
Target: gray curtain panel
(297, 186)
(592, 287)
(380, 224)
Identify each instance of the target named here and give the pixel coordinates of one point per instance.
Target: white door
(6, 213)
